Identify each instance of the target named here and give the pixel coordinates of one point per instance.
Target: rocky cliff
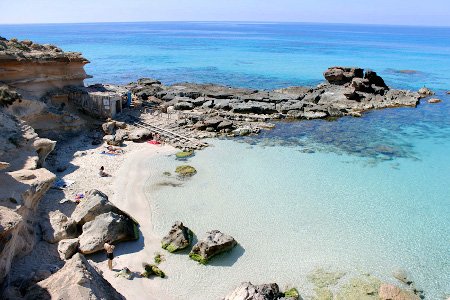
(39, 73)
(34, 69)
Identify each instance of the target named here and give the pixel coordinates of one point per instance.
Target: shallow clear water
(366, 194)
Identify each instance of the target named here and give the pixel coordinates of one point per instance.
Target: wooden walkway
(170, 136)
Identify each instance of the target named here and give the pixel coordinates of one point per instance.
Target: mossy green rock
(185, 171)
(152, 270)
(197, 257)
(360, 288)
(292, 293)
(184, 154)
(321, 278)
(178, 238)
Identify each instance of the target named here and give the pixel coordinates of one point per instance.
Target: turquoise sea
(357, 195)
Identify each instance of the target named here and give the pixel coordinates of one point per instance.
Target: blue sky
(397, 12)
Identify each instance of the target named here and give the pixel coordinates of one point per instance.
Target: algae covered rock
(179, 237)
(360, 288)
(214, 243)
(184, 154)
(152, 270)
(185, 171)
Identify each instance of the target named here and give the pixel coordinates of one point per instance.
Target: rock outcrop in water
(214, 109)
(178, 238)
(213, 243)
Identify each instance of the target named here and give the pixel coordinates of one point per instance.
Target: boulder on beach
(43, 148)
(68, 248)
(110, 227)
(179, 237)
(213, 243)
(58, 227)
(95, 203)
(76, 280)
(139, 134)
(271, 291)
(152, 270)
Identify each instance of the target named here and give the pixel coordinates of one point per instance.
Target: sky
(395, 12)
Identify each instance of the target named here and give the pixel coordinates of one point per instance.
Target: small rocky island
(43, 101)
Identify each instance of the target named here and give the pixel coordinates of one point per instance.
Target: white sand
(128, 194)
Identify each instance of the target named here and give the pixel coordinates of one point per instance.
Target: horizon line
(249, 22)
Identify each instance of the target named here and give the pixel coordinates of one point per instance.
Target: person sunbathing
(102, 172)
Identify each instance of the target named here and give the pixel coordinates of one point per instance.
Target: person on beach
(109, 253)
(102, 172)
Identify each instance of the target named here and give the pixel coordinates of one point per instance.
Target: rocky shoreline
(181, 114)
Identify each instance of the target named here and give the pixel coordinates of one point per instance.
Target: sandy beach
(128, 186)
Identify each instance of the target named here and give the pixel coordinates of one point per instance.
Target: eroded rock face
(58, 227)
(67, 248)
(95, 204)
(36, 69)
(43, 148)
(110, 227)
(76, 280)
(342, 75)
(179, 237)
(213, 243)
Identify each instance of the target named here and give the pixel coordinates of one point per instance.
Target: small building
(105, 101)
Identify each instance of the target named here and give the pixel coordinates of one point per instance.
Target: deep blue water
(257, 55)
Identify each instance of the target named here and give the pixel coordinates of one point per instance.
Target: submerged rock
(184, 154)
(392, 292)
(179, 237)
(185, 171)
(214, 243)
(110, 227)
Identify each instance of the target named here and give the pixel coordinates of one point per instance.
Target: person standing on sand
(109, 253)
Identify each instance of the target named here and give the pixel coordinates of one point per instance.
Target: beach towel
(153, 142)
(109, 154)
(63, 183)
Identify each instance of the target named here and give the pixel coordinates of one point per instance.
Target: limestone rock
(425, 92)
(106, 227)
(139, 134)
(58, 227)
(183, 106)
(109, 127)
(43, 148)
(271, 291)
(391, 292)
(4, 165)
(94, 204)
(374, 79)
(76, 280)
(434, 100)
(67, 248)
(185, 171)
(342, 75)
(179, 237)
(214, 243)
